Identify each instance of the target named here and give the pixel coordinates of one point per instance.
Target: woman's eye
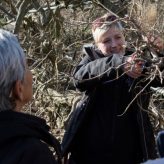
(106, 41)
(118, 37)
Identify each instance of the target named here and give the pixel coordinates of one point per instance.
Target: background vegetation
(52, 33)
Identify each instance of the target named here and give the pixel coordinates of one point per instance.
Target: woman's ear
(18, 91)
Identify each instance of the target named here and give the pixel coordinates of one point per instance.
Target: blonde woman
(99, 132)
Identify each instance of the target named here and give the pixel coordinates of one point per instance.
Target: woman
(103, 131)
(24, 138)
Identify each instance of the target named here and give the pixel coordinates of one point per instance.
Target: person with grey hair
(24, 138)
(110, 124)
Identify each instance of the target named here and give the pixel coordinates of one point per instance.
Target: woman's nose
(113, 43)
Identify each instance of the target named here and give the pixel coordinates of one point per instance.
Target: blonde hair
(101, 25)
(98, 32)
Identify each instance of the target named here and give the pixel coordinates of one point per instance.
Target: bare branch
(7, 13)
(21, 13)
(41, 10)
(13, 9)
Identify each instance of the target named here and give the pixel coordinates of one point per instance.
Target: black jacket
(99, 133)
(24, 139)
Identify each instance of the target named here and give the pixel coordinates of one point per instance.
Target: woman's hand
(133, 66)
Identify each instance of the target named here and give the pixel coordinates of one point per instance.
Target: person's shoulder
(35, 142)
(36, 145)
(92, 51)
(38, 151)
(88, 46)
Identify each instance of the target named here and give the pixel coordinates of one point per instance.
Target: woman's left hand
(157, 42)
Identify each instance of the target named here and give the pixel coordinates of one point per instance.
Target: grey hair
(99, 31)
(12, 67)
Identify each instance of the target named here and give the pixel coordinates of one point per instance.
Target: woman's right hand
(133, 66)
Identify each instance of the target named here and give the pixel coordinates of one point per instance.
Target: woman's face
(27, 89)
(22, 91)
(112, 42)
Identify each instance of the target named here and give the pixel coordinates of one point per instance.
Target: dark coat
(97, 132)
(24, 139)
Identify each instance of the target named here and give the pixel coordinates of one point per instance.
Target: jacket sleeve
(90, 73)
